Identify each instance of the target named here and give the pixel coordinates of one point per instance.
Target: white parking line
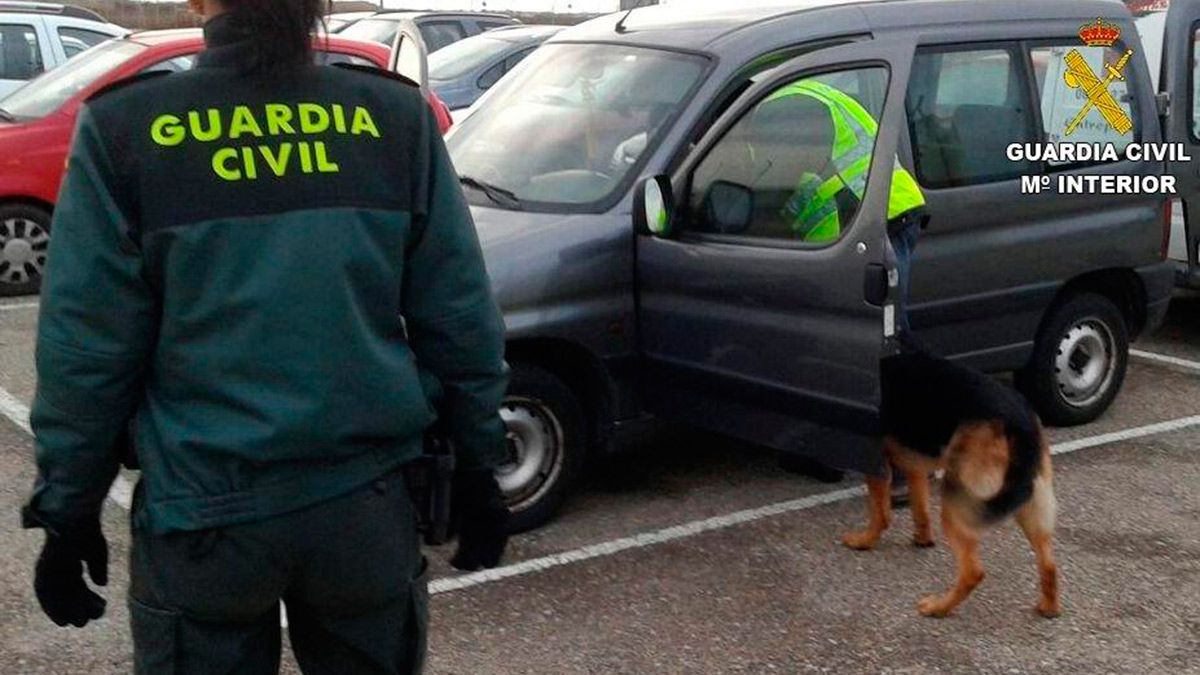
(18, 305)
(1186, 364)
(121, 492)
(14, 410)
(447, 584)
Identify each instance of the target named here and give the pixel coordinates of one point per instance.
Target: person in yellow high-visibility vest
(824, 196)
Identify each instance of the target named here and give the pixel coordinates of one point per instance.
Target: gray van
(618, 180)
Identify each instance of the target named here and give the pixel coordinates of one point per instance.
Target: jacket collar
(228, 42)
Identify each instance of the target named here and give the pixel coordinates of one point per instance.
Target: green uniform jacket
(277, 277)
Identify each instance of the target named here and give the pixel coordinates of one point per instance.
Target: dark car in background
(461, 72)
(438, 29)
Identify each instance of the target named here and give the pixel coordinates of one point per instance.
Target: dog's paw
(923, 541)
(1048, 610)
(861, 541)
(933, 607)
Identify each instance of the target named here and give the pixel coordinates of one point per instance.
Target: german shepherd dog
(991, 446)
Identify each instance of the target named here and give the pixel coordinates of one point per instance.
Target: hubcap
(535, 445)
(1085, 363)
(22, 250)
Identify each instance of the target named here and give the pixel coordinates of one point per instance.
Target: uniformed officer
(270, 267)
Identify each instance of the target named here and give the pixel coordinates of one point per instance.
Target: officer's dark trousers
(349, 571)
(904, 243)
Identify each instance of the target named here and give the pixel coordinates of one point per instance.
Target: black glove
(59, 584)
(482, 520)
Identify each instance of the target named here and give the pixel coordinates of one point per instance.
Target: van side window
(964, 108)
(1056, 68)
(795, 166)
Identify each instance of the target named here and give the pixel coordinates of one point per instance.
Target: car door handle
(875, 284)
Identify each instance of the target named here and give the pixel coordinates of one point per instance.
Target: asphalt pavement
(696, 554)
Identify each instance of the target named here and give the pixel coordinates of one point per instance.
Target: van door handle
(875, 284)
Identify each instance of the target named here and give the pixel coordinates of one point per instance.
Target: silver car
(38, 36)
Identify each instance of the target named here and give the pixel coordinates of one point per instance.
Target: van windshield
(565, 131)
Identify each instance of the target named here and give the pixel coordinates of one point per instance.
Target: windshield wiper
(7, 116)
(501, 196)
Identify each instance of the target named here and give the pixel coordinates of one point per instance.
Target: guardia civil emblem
(1079, 75)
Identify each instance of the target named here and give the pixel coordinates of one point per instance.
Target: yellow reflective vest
(812, 209)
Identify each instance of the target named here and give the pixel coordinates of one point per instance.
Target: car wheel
(1078, 362)
(24, 239)
(547, 445)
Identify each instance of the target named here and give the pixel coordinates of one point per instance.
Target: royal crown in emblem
(1099, 34)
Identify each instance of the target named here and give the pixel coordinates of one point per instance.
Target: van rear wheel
(1079, 361)
(546, 445)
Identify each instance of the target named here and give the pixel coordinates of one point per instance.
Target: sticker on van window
(1098, 98)
(1088, 111)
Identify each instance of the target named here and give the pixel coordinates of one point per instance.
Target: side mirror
(728, 207)
(654, 207)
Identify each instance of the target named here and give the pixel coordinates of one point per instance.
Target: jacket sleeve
(96, 329)
(454, 325)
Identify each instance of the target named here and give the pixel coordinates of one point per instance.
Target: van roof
(698, 24)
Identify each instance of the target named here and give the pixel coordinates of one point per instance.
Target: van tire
(1079, 361)
(24, 239)
(548, 442)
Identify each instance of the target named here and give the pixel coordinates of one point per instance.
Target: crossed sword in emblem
(1080, 74)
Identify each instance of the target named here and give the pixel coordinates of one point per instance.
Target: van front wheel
(1078, 362)
(546, 446)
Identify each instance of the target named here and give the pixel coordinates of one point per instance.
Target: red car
(36, 123)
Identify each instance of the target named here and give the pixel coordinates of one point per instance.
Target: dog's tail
(994, 463)
(1026, 442)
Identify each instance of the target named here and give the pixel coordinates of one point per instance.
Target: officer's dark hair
(282, 30)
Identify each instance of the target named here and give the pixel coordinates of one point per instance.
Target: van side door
(1181, 81)
(751, 322)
